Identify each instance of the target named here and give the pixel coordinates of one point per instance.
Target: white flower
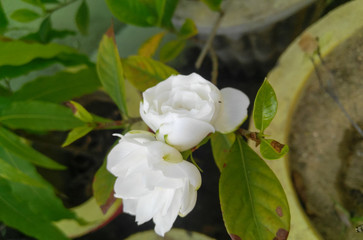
(153, 180)
(183, 110)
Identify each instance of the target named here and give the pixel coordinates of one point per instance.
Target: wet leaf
(16, 146)
(145, 72)
(271, 149)
(110, 70)
(171, 50)
(149, 47)
(82, 18)
(24, 15)
(253, 201)
(265, 106)
(36, 115)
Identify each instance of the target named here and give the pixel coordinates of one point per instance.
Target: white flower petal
(129, 206)
(233, 112)
(184, 133)
(148, 206)
(165, 220)
(192, 173)
(131, 187)
(188, 201)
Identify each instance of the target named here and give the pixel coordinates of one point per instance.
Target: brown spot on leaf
(279, 211)
(234, 237)
(281, 234)
(111, 33)
(224, 165)
(277, 146)
(72, 107)
(308, 43)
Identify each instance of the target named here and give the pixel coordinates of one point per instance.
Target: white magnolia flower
(183, 110)
(153, 180)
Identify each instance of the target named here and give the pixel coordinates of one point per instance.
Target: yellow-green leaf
(221, 145)
(76, 134)
(149, 47)
(271, 149)
(188, 29)
(145, 72)
(80, 112)
(110, 71)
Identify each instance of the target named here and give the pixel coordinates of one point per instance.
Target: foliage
(48, 103)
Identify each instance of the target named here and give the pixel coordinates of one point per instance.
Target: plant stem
(61, 5)
(117, 124)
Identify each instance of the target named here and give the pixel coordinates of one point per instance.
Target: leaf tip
(235, 237)
(110, 32)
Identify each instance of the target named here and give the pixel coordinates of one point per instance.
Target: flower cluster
(153, 179)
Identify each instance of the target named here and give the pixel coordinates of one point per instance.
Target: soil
(326, 152)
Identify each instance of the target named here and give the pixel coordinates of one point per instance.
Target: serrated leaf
(15, 212)
(102, 186)
(110, 70)
(60, 87)
(149, 47)
(271, 149)
(3, 20)
(145, 72)
(13, 174)
(265, 106)
(221, 145)
(144, 13)
(76, 134)
(82, 18)
(24, 15)
(188, 29)
(171, 50)
(12, 49)
(36, 115)
(214, 5)
(253, 202)
(14, 144)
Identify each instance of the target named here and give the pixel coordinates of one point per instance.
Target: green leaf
(144, 13)
(145, 72)
(60, 87)
(13, 174)
(149, 47)
(271, 149)
(24, 15)
(76, 134)
(16, 146)
(265, 106)
(214, 5)
(171, 50)
(51, 34)
(102, 186)
(65, 59)
(3, 19)
(110, 71)
(15, 212)
(253, 202)
(36, 115)
(82, 18)
(221, 145)
(12, 49)
(42, 200)
(80, 112)
(45, 29)
(188, 29)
